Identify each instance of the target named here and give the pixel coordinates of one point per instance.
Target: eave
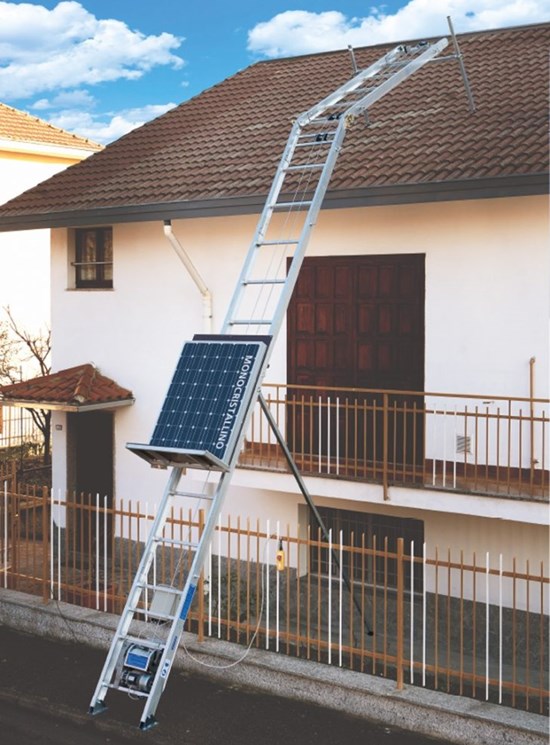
(465, 189)
(67, 407)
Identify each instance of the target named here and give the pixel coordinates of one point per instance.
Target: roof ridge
(84, 383)
(394, 42)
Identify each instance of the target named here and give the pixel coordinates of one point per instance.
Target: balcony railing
(490, 445)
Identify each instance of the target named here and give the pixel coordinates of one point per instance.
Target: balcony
(481, 445)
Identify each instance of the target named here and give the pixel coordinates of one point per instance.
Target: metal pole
(462, 67)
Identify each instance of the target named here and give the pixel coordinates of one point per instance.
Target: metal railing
(18, 429)
(471, 624)
(465, 443)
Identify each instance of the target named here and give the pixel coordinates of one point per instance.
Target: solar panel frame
(202, 416)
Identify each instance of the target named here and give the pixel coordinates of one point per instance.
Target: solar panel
(203, 412)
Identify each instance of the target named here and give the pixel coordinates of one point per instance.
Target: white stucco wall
(487, 304)
(25, 254)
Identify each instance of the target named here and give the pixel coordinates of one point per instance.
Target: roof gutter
(418, 193)
(195, 276)
(22, 403)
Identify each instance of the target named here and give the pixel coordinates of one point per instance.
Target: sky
(99, 68)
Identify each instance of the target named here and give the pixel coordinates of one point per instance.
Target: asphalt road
(46, 686)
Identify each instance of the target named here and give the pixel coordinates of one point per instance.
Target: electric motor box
(139, 667)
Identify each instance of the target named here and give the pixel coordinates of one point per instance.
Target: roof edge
(395, 42)
(22, 403)
(438, 191)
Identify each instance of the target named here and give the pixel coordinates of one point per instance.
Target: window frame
(102, 262)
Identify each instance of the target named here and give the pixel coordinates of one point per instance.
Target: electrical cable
(234, 663)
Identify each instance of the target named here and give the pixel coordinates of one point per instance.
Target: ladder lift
(217, 380)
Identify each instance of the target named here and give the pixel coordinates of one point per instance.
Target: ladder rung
(289, 205)
(324, 120)
(289, 242)
(176, 542)
(264, 281)
(191, 495)
(250, 322)
(306, 167)
(144, 642)
(316, 137)
(312, 143)
(132, 691)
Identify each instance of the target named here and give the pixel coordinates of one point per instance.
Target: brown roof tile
(81, 386)
(227, 141)
(21, 127)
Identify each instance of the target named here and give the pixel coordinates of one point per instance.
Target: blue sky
(101, 67)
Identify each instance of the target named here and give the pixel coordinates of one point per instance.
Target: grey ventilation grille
(463, 444)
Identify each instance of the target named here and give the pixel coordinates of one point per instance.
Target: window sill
(90, 289)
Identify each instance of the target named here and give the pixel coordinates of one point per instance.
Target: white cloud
(105, 128)
(301, 32)
(66, 47)
(66, 99)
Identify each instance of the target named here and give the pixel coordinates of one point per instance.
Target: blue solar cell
(207, 399)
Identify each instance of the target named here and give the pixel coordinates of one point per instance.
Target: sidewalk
(338, 692)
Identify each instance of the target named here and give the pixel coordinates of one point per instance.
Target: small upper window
(93, 257)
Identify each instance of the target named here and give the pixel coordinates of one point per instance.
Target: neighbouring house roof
(217, 153)
(17, 126)
(81, 388)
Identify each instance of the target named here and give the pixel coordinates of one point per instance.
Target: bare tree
(17, 347)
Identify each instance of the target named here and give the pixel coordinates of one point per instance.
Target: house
(31, 150)
(411, 378)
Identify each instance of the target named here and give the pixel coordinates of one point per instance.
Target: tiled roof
(77, 387)
(226, 142)
(21, 127)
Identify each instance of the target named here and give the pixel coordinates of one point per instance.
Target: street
(46, 686)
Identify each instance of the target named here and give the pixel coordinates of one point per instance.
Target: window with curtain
(93, 258)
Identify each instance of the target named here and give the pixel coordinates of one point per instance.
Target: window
(93, 258)
(361, 529)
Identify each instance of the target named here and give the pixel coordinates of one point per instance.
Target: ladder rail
(184, 604)
(125, 619)
(263, 224)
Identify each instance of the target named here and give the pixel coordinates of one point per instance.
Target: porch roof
(76, 389)
(217, 153)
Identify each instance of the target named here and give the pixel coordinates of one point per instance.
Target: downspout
(195, 276)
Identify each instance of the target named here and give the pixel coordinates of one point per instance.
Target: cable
(254, 635)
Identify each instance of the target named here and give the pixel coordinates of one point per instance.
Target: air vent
(463, 444)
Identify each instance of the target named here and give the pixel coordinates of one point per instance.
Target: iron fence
(472, 625)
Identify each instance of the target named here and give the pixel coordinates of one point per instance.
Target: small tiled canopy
(81, 388)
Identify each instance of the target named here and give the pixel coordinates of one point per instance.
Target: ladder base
(149, 723)
(98, 708)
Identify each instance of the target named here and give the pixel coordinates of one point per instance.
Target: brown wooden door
(356, 322)
(90, 474)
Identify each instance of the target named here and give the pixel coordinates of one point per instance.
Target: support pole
(462, 67)
(309, 501)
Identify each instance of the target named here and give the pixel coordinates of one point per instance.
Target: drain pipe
(195, 276)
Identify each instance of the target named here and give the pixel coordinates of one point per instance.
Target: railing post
(532, 460)
(385, 406)
(400, 603)
(200, 633)
(45, 545)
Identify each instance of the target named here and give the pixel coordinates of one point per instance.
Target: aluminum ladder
(150, 627)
